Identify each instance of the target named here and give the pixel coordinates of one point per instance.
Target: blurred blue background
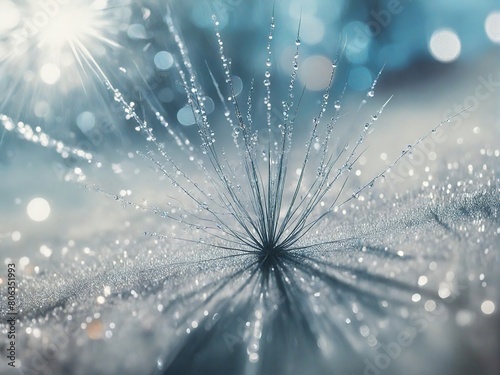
(51, 79)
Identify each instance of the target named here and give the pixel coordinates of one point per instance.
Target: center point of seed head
(271, 249)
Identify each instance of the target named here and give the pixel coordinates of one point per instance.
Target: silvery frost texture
(266, 241)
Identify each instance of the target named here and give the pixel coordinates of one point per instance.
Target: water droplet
(159, 364)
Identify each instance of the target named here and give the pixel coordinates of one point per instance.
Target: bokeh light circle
(38, 209)
(163, 60)
(86, 121)
(50, 73)
(360, 78)
(315, 72)
(492, 26)
(9, 16)
(445, 45)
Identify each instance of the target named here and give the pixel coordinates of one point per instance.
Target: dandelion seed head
(273, 247)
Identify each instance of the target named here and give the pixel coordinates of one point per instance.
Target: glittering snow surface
(382, 283)
(394, 271)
